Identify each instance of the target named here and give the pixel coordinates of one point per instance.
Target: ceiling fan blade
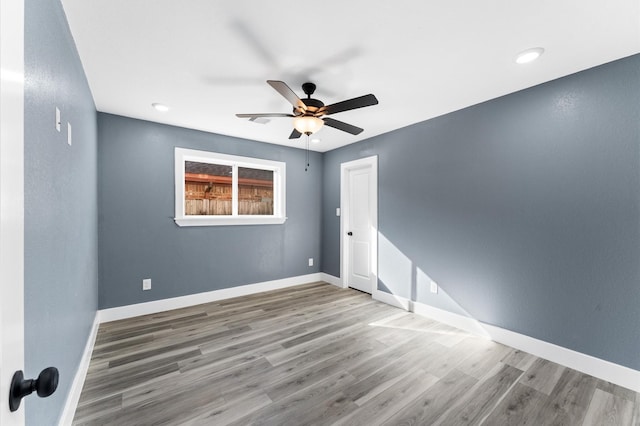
(266, 114)
(359, 102)
(295, 134)
(282, 88)
(341, 125)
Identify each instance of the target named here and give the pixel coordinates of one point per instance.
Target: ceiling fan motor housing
(313, 105)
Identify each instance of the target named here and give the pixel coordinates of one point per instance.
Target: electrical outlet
(434, 287)
(311, 261)
(146, 284)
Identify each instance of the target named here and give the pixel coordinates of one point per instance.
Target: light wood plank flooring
(320, 355)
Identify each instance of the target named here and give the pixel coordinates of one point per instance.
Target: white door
(11, 202)
(359, 190)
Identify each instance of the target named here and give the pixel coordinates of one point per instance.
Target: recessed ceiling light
(315, 140)
(529, 55)
(160, 107)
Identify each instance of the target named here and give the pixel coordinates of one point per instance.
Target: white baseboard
(455, 320)
(596, 367)
(332, 280)
(128, 311)
(81, 373)
(390, 299)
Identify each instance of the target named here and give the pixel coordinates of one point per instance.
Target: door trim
(345, 168)
(11, 202)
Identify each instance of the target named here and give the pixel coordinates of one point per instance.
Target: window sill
(227, 221)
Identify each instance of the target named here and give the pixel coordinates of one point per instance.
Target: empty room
(336, 213)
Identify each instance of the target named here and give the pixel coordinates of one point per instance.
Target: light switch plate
(69, 133)
(146, 284)
(58, 119)
(434, 287)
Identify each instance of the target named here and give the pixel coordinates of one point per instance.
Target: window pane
(207, 189)
(255, 191)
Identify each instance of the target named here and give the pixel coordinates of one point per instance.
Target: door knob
(349, 233)
(44, 385)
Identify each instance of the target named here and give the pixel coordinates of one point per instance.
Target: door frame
(11, 203)
(362, 163)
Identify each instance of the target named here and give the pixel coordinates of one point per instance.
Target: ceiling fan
(309, 114)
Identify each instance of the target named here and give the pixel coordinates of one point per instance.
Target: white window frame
(279, 189)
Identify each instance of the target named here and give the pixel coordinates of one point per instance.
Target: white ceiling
(210, 59)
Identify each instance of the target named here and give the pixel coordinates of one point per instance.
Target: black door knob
(349, 233)
(44, 385)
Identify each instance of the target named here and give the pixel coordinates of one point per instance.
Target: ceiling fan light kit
(308, 113)
(307, 124)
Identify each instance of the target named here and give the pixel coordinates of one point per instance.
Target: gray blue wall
(61, 227)
(139, 239)
(524, 209)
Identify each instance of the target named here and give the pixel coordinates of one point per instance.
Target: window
(219, 189)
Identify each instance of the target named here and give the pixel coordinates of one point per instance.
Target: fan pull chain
(307, 167)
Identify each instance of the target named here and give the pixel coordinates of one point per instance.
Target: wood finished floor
(320, 355)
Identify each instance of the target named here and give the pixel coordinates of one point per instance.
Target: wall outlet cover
(311, 261)
(146, 284)
(434, 287)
